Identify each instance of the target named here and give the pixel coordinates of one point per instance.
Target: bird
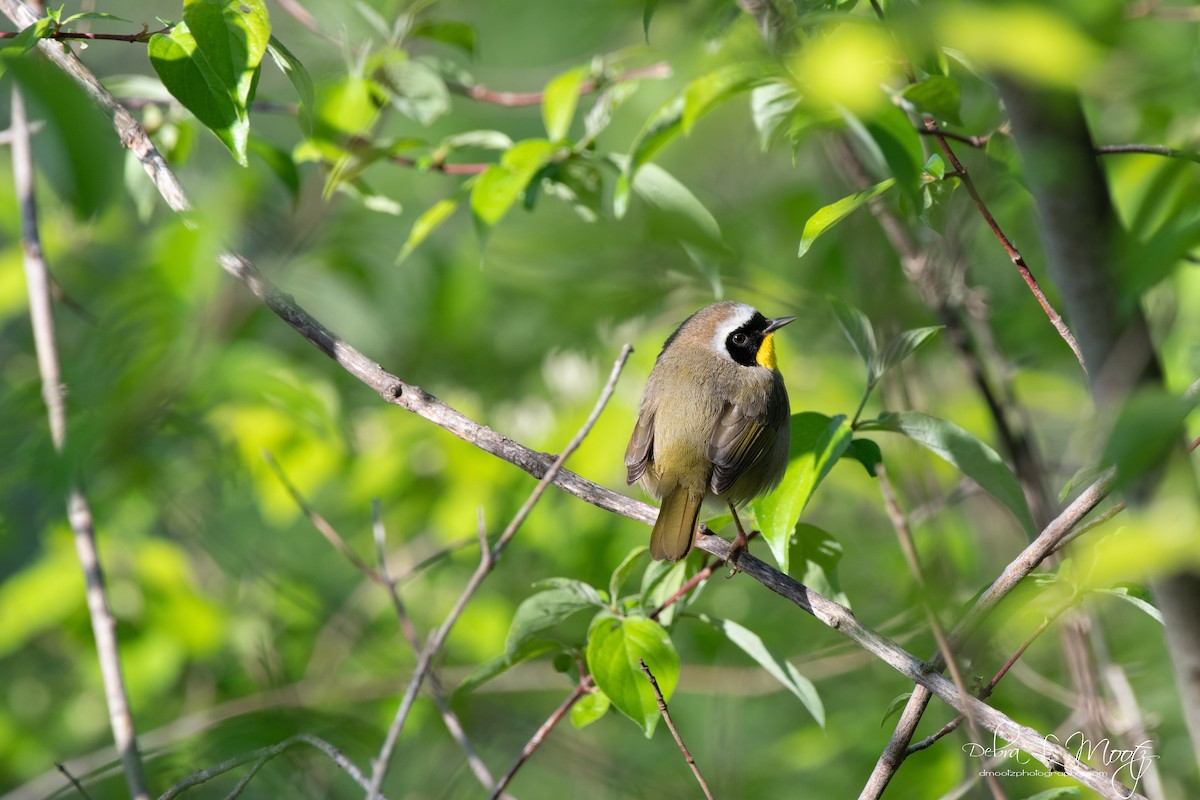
(714, 422)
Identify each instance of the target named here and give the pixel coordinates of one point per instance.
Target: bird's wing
(739, 440)
(641, 444)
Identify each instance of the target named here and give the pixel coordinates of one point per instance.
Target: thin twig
(519, 99)
(986, 691)
(1014, 254)
(262, 755)
(449, 718)
(443, 167)
(1025, 562)
(74, 781)
(79, 513)
(319, 522)
(909, 548)
(61, 35)
(487, 561)
(662, 709)
(582, 688)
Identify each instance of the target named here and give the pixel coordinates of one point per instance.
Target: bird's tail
(675, 527)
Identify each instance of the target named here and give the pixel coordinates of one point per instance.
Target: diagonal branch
(488, 558)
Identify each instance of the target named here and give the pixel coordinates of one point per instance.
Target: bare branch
(79, 513)
(74, 781)
(539, 736)
(261, 756)
(487, 561)
(519, 99)
(662, 709)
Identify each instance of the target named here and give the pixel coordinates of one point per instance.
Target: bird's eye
(740, 339)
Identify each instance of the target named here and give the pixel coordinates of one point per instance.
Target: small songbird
(714, 422)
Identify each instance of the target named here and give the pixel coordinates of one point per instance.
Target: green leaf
(778, 668)
(817, 442)
(865, 452)
(615, 647)
(1138, 597)
(772, 106)
(496, 189)
(900, 145)
(685, 215)
(678, 116)
(647, 15)
(427, 223)
(935, 202)
(24, 41)
(591, 707)
(818, 554)
(834, 213)
(898, 702)
(455, 34)
(416, 90)
(559, 100)
(298, 75)
(1148, 425)
(502, 663)
(857, 328)
(279, 161)
(209, 63)
(962, 450)
(900, 348)
(606, 104)
(543, 611)
(621, 573)
(661, 581)
(483, 139)
(937, 96)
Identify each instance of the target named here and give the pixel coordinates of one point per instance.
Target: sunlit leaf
(559, 100)
(429, 221)
(771, 107)
(616, 646)
(817, 443)
(540, 613)
(834, 213)
(590, 708)
(495, 190)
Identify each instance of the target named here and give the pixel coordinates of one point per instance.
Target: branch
(1026, 562)
(520, 99)
(583, 687)
(1014, 255)
(488, 558)
(260, 757)
(662, 708)
(61, 35)
(79, 513)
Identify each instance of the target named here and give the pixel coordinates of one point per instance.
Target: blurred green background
(240, 625)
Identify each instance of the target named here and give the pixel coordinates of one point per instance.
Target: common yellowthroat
(714, 422)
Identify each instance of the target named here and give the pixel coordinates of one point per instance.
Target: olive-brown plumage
(714, 421)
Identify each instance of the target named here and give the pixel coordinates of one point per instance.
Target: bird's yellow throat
(766, 352)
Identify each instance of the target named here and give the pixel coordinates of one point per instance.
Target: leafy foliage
(616, 186)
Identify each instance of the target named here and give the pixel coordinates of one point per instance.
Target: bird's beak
(777, 323)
